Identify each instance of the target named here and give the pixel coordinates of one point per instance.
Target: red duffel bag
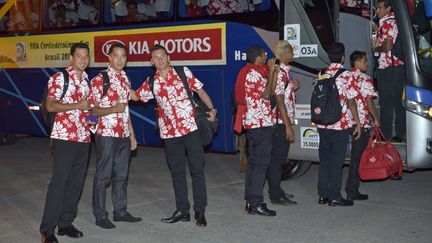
(380, 159)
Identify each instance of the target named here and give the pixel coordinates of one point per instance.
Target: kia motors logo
(107, 45)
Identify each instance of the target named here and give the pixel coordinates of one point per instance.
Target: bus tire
(294, 168)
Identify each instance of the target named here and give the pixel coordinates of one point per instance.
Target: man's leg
(338, 151)
(75, 183)
(353, 181)
(259, 149)
(104, 164)
(385, 78)
(120, 173)
(175, 154)
(63, 162)
(195, 154)
(279, 153)
(325, 157)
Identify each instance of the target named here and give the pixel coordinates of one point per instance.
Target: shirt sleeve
(144, 93)
(369, 90)
(192, 81)
(55, 85)
(280, 83)
(96, 89)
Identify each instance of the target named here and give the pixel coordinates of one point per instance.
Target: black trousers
(175, 149)
(112, 165)
(358, 146)
(391, 81)
(332, 150)
(259, 157)
(279, 153)
(67, 181)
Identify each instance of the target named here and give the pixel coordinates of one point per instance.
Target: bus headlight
(419, 108)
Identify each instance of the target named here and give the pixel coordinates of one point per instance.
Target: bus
(210, 37)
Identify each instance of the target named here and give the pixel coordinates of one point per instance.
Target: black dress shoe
(176, 217)
(396, 178)
(262, 210)
(323, 200)
(105, 224)
(247, 206)
(70, 231)
(200, 219)
(48, 238)
(341, 202)
(289, 196)
(284, 201)
(359, 197)
(127, 218)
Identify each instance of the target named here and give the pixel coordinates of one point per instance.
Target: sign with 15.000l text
(187, 45)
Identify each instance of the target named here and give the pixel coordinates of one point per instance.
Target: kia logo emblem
(107, 45)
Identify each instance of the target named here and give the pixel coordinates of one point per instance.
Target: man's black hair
(117, 45)
(356, 56)
(158, 47)
(78, 45)
(387, 3)
(335, 52)
(253, 52)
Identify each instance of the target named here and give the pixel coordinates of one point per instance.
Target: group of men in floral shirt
(102, 108)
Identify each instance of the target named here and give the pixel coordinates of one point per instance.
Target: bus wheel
(294, 169)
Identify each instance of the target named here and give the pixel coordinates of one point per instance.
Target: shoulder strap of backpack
(180, 72)
(151, 83)
(339, 72)
(106, 82)
(65, 83)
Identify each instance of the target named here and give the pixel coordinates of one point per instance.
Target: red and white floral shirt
(70, 125)
(387, 30)
(258, 110)
(347, 90)
(283, 81)
(114, 124)
(175, 111)
(366, 90)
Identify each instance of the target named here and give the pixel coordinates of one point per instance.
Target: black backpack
(325, 102)
(49, 117)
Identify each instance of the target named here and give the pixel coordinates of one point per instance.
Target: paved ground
(398, 211)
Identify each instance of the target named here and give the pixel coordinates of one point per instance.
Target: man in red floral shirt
(334, 137)
(179, 131)
(114, 137)
(365, 106)
(255, 115)
(70, 143)
(391, 74)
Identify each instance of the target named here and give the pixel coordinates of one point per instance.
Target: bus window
(194, 8)
(22, 17)
(422, 34)
(321, 17)
(69, 13)
(357, 7)
(123, 11)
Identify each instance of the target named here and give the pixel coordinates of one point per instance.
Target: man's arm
(118, 108)
(207, 101)
(132, 134)
(290, 136)
(385, 47)
(133, 95)
(372, 111)
(352, 105)
(54, 105)
(273, 66)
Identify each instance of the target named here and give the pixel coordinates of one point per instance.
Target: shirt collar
(262, 69)
(71, 70)
(385, 18)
